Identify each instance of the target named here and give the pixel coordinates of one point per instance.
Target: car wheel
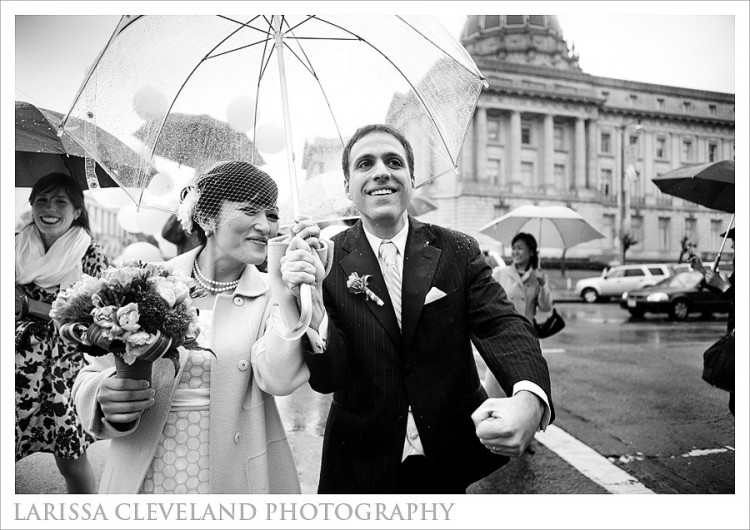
(589, 295)
(679, 310)
(637, 313)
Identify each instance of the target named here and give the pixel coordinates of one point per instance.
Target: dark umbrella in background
(710, 185)
(39, 150)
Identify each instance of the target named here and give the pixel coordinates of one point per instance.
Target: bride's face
(243, 231)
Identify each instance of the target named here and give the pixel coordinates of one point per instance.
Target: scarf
(60, 266)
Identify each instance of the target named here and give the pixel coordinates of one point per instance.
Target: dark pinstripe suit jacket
(377, 372)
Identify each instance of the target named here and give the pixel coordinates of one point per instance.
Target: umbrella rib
(262, 68)
(425, 37)
(307, 64)
(408, 81)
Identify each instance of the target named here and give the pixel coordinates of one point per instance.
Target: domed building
(545, 132)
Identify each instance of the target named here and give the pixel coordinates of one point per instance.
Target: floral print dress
(46, 419)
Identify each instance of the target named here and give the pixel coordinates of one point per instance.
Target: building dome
(525, 39)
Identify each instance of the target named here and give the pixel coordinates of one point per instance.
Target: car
(678, 296)
(614, 281)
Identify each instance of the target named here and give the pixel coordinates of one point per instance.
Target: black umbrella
(39, 150)
(187, 138)
(710, 184)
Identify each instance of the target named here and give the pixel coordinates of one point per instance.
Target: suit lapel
(362, 260)
(420, 262)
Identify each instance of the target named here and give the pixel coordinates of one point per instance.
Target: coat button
(238, 300)
(237, 438)
(242, 365)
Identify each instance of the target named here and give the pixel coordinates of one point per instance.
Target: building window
(660, 104)
(605, 183)
(493, 129)
(526, 135)
(664, 239)
(527, 174)
(605, 143)
(634, 145)
(687, 106)
(608, 229)
(712, 110)
(491, 21)
(713, 151)
(559, 139)
(691, 231)
(633, 99)
(560, 180)
(493, 170)
(717, 227)
(536, 20)
(514, 20)
(636, 230)
(661, 148)
(687, 150)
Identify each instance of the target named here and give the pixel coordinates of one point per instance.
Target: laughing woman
(52, 252)
(214, 426)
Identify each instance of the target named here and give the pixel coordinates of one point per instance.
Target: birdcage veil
(235, 181)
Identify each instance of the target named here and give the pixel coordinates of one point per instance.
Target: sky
(692, 51)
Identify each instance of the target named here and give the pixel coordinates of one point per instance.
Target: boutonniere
(358, 285)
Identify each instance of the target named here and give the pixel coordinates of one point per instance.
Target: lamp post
(622, 207)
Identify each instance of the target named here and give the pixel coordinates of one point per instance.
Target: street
(627, 392)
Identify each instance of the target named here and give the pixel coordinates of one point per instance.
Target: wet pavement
(629, 389)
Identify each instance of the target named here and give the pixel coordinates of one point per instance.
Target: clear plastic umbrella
(297, 85)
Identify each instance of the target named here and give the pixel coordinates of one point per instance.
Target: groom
(405, 302)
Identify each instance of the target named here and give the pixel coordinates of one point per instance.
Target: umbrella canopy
(553, 226)
(200, 140)
(39, 150)
(710, 185)
(299, 86)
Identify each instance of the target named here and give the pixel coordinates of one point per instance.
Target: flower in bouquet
(137, 311)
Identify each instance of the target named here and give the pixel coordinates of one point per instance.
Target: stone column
(592, 149)
(480, 136)
(515, 148)
(580, 154)
(548, 167)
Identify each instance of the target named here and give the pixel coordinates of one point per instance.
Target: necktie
(392, 276)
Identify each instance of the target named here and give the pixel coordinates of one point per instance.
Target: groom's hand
(506, 426)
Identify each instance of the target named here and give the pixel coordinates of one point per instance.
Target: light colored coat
(249, 450)
(525, 296)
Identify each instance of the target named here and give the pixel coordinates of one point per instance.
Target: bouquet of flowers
(139, 312)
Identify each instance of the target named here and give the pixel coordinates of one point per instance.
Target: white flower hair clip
(188, 199)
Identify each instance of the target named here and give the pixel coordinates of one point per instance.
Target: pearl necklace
(212, 285)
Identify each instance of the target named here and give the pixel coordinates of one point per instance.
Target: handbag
(549, 327)
(718, 363)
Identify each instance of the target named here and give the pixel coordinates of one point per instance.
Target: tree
(627, 241)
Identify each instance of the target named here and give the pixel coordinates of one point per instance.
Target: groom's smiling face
(380, 183)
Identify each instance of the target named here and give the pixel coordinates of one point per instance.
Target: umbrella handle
(305, 311)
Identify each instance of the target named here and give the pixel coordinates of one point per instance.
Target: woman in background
(526, 286)
(52, 252)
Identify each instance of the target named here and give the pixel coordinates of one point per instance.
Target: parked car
(678, 296)
(617, 280)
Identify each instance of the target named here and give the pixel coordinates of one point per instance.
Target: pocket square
(434, 294)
